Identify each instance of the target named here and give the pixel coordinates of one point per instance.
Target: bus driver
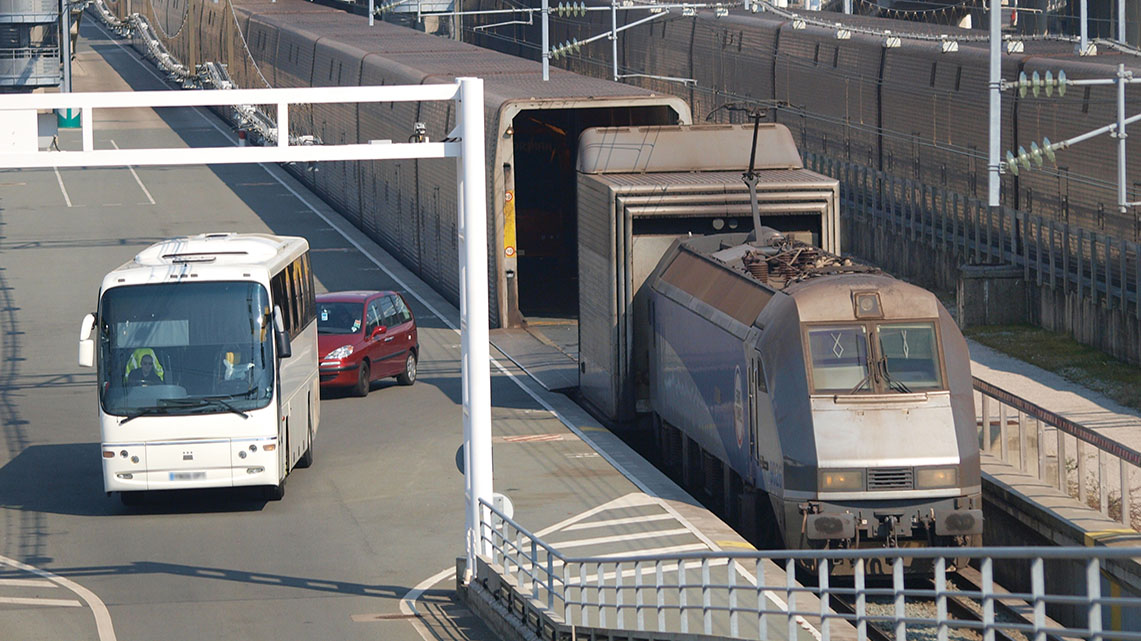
(145, 373)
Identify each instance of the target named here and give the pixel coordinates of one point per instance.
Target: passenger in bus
(143, 368)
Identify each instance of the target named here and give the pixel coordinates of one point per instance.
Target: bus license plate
(187, 476)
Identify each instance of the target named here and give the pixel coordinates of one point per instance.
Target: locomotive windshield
(840, 358)
(910, 355)
(903, 357)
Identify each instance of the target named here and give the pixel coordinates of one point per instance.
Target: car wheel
(408, 376)
(364, 380)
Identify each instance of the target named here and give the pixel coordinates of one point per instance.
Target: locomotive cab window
(899, 358)
(839, 359)
(910, 355)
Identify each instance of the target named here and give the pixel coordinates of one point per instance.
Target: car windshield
(839, 359)
(910, 354)
(185, 348)
(338, 318)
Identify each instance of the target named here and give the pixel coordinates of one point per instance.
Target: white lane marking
(629, 536)
(102, 616)
(613, 522)
(55, 603)
(591, 580)
(62, 189)
(408, 603)
(27, 583)
(137, 179)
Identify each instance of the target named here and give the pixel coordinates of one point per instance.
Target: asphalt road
(377, 519)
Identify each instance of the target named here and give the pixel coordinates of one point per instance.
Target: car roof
(353, 296)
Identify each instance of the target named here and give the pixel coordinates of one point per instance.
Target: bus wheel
(132, 498)
(306, 459)
(364, 380)
(408, 376)
(274, 492)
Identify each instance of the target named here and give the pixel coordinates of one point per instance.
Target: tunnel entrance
(545, 201)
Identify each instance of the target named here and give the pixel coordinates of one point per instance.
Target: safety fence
(1099, 266)
(1061, 452)
(756, 594)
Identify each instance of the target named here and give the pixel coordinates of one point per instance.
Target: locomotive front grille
(891, 478)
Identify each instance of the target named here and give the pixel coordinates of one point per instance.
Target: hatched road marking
(48, 580)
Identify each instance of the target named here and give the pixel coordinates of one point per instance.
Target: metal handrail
(1032, 451)
(741, 594)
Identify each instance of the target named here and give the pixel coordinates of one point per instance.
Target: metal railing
(755, 594)
(1060, 451)
(1100, 266)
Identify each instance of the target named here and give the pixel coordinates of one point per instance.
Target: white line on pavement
(27, 583)
(44, 602)
(102, 616)
(62, 189)
(137, 179)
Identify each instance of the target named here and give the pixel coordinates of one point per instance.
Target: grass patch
(1062, 355)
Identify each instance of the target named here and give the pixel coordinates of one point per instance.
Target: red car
(365, 336)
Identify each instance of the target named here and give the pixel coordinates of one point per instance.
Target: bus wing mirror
(281, 338)
(86, 342)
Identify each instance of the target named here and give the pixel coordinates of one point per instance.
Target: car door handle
(389, 339)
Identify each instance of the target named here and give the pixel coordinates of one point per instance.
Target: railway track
(964, 616)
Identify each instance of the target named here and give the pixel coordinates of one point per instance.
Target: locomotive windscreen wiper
(863, 381)
(892, 383)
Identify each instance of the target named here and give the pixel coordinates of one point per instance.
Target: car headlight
(839, 480)
(930, 478)
(341, 352)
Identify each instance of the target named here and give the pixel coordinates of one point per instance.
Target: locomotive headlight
(837, 480)
(932, 478)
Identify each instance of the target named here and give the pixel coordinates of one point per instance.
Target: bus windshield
(185, 348)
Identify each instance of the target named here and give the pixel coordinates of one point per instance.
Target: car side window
(372, 316)
(388, 312)
(402, 310)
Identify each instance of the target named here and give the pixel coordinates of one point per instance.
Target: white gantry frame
(466, 145)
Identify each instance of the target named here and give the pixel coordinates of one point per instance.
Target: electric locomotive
(836, 397)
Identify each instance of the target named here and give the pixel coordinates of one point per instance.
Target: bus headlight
(933, 478)
(341, 352)
(838, 480)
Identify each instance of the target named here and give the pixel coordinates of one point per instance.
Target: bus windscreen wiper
(206, 401)
(145, 411)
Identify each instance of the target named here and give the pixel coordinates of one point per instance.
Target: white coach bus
(206, 353)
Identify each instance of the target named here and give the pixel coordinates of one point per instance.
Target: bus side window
(295, 298)
(282, 295)
(309, 299)
(278, 291)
